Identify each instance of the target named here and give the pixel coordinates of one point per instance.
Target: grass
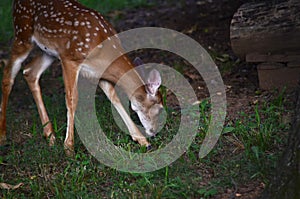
(259, 134)
(6, 30)
(46, 172)
(247, 150)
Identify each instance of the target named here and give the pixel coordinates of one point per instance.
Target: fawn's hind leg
(19, 53)
(32, 73)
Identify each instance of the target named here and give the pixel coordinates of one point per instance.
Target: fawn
(69, 31)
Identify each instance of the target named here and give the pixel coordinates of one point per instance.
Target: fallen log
(266, 28)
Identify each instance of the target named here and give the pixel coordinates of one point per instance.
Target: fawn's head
(149, 106)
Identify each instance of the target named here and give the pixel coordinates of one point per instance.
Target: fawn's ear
(139, 68)
(153, 82)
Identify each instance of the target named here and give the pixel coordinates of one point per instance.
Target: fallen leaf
(255, 102)
(191, 30)
(9, 187)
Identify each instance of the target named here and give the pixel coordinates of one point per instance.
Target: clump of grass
(6, 29)
(261, 134)
(226, 62)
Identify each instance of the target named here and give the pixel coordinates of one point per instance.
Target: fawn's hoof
(149, 147)
(50, 136)
(52, 140)
(69, 151)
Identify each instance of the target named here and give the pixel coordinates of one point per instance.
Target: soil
(208, 22)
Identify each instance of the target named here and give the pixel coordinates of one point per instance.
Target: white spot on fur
(68, 45)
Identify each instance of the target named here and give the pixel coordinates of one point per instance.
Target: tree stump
(269, 34)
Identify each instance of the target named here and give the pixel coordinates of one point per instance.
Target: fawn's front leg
(135, 133)
(70, 75)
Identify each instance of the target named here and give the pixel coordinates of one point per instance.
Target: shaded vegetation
(245, 155)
